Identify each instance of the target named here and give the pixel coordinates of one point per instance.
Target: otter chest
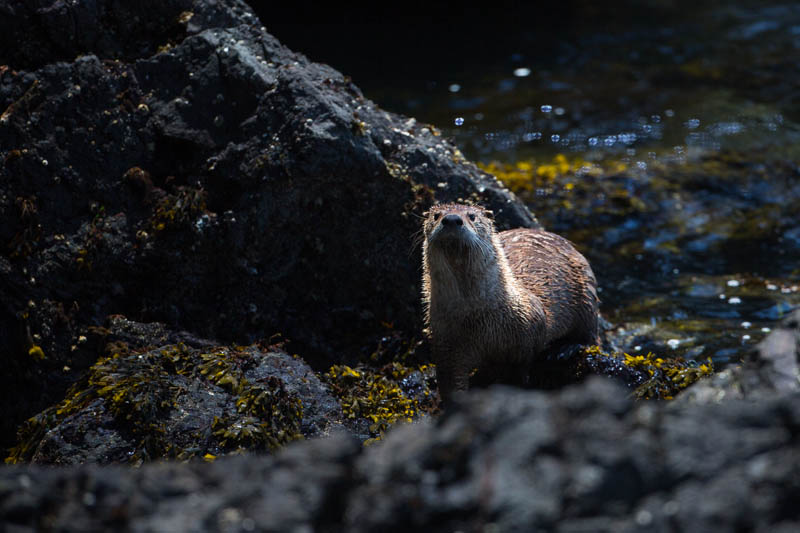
(481, 330)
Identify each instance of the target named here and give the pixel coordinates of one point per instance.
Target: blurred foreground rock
(581, 459)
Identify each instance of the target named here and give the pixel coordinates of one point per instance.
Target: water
(661, 137)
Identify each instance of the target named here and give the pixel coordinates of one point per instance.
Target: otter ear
(489, 214)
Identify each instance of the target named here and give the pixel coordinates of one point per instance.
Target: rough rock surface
(250, 493)
(170, 395)
(170, 161)
(586, 460)
(581, 459)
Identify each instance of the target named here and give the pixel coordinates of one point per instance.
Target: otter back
(549, 267)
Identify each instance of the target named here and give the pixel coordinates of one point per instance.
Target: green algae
(528, 175)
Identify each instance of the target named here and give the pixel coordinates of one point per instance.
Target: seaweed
(141, 389)
(383, 397)
(667, 375)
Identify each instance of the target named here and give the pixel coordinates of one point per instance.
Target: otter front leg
(452, 374)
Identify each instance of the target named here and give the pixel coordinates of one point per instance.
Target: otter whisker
(416, 241)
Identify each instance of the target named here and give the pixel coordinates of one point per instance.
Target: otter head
(456, 229)
(459, 238)
(462, 258)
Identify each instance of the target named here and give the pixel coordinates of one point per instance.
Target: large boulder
(172, 162)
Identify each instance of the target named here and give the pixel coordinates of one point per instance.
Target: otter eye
(472, 217)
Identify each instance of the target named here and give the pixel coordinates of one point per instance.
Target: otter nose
(452, 220)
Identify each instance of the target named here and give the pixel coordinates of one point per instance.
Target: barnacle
(176, 210)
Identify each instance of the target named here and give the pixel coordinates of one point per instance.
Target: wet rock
(777, 357)
(772, 367)
(172, 162)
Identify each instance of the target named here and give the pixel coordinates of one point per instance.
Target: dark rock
(288, 493)
(584, 458)
(581, 459)
(171, 162)
(145, 402)
(322, 413)
(33, 35)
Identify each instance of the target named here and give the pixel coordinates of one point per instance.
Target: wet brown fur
(497, 301)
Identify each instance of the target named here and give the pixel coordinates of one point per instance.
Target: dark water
(661, 137)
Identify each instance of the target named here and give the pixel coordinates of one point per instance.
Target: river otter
(496, 301)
